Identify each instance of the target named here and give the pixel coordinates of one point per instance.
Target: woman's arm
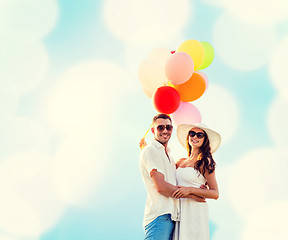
(212, 192)
(196, 198)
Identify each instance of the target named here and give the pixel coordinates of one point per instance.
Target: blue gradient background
(80, 34)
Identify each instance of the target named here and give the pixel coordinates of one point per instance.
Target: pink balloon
(186, 113)
(205, 78)
(179, 68)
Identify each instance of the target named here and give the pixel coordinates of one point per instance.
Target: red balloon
(166, 99)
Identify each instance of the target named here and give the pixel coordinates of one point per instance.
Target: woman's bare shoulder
(179, 161)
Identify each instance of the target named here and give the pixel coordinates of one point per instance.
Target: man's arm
(161, 185)
(212, 192)
(168, 189)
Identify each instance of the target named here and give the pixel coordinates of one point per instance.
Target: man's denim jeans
(160, 229)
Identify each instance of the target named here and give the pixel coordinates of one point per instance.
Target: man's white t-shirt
(152, 157)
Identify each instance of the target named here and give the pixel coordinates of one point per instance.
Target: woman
(192, 172)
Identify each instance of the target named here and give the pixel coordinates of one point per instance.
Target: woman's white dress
(194, 223)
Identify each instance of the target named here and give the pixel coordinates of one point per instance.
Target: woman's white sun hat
(214, 137)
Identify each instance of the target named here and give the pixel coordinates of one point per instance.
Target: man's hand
(181, 192)
(184, 192)
(142, 143)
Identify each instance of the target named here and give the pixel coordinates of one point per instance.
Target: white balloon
(151, 75)
(160, 55)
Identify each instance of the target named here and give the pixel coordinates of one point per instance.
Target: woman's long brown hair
(205, 160)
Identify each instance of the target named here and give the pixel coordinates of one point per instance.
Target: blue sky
(73, 111)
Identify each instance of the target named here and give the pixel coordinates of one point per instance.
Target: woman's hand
(142, 143)
(204, 187)
(181, 192)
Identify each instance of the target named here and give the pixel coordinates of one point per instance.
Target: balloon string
(147, 131)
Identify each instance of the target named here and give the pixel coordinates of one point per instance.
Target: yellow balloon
(195, 49)
(170, 84)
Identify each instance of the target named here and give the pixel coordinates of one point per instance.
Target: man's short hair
(161, 115)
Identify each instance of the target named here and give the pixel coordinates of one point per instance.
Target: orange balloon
(192, 89)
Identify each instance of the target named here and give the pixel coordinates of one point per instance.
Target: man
(158, 172)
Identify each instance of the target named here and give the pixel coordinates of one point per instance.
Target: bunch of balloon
(194, 84)
(173, 80)
(154, 83)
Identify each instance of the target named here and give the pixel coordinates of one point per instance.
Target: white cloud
(278, 67)
(27, 20)
(269, 222)
(78, 167)
(277, 121)
(81, 108)
(257, 179)
(23, 66)
(219, 110)
(221, 212)
(146, 21)
(258, 11)
(8, 104)
(28, 204)
(4, 237)
(22, 134)
(230, 231)
(243, 46)
(85, 96)
(217, 3)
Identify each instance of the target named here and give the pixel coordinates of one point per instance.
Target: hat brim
(214, 137)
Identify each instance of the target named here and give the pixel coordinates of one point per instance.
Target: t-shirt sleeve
(151, 159)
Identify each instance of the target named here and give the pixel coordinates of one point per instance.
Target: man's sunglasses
(198, 134)
(161, 128)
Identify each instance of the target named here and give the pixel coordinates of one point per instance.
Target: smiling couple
(176, 205)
